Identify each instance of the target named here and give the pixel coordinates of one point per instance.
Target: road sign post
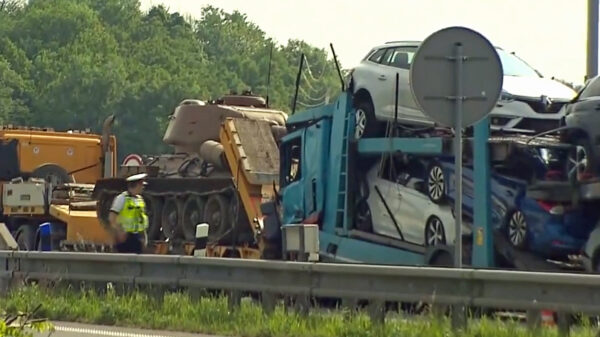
(458, 60)
(456, 78)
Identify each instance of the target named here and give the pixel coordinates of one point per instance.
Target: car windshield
(513, 66)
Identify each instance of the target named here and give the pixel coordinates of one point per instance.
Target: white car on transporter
(529, 103)
(397, 206)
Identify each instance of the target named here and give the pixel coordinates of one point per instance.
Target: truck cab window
(292, 158)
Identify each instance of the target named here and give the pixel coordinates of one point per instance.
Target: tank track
(176, 205)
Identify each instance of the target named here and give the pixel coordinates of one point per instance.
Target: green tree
(96, 58)
(13, 95)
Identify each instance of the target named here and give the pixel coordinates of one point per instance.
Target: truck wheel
(26, 237)
(53, 174)
(217, 216)
(193, 213)
(171, 218)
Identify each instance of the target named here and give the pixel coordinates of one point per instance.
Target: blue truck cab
(304, 154)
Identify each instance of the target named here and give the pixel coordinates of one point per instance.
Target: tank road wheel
(154, 206)
(171, 218)
(239, 221)
(193, 214)
(217, 216)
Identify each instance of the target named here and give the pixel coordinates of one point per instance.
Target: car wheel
(434, 232)
(436, 186)
(365, 123)
(579, 161)
(516, 229)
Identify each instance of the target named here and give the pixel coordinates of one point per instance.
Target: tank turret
(193, 122)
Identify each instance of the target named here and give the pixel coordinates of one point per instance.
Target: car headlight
(505, 97)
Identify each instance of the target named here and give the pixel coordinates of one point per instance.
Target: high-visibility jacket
(133, 216)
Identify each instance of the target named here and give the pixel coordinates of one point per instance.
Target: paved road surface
(64, 329)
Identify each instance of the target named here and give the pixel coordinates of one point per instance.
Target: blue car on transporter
(548, 229)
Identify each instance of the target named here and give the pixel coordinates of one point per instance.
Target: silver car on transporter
(582, 119)
(529, 103)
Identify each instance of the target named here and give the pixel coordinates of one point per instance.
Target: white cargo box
(24, 198)
(301, 240)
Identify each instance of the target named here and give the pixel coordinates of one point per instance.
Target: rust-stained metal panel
(259, 154)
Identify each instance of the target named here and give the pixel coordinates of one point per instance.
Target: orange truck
(46, 179)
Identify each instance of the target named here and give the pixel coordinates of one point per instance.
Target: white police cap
(137, 177)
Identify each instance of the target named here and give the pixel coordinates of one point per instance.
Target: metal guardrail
(565, 293)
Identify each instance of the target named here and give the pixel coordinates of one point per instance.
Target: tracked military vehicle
(194, 184)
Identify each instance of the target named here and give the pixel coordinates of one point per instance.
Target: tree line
(71, 63)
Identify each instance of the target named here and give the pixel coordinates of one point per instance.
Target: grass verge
(210, 315)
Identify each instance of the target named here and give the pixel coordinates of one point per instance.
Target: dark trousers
(132, 244)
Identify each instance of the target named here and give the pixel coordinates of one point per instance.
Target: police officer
(128, 218)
